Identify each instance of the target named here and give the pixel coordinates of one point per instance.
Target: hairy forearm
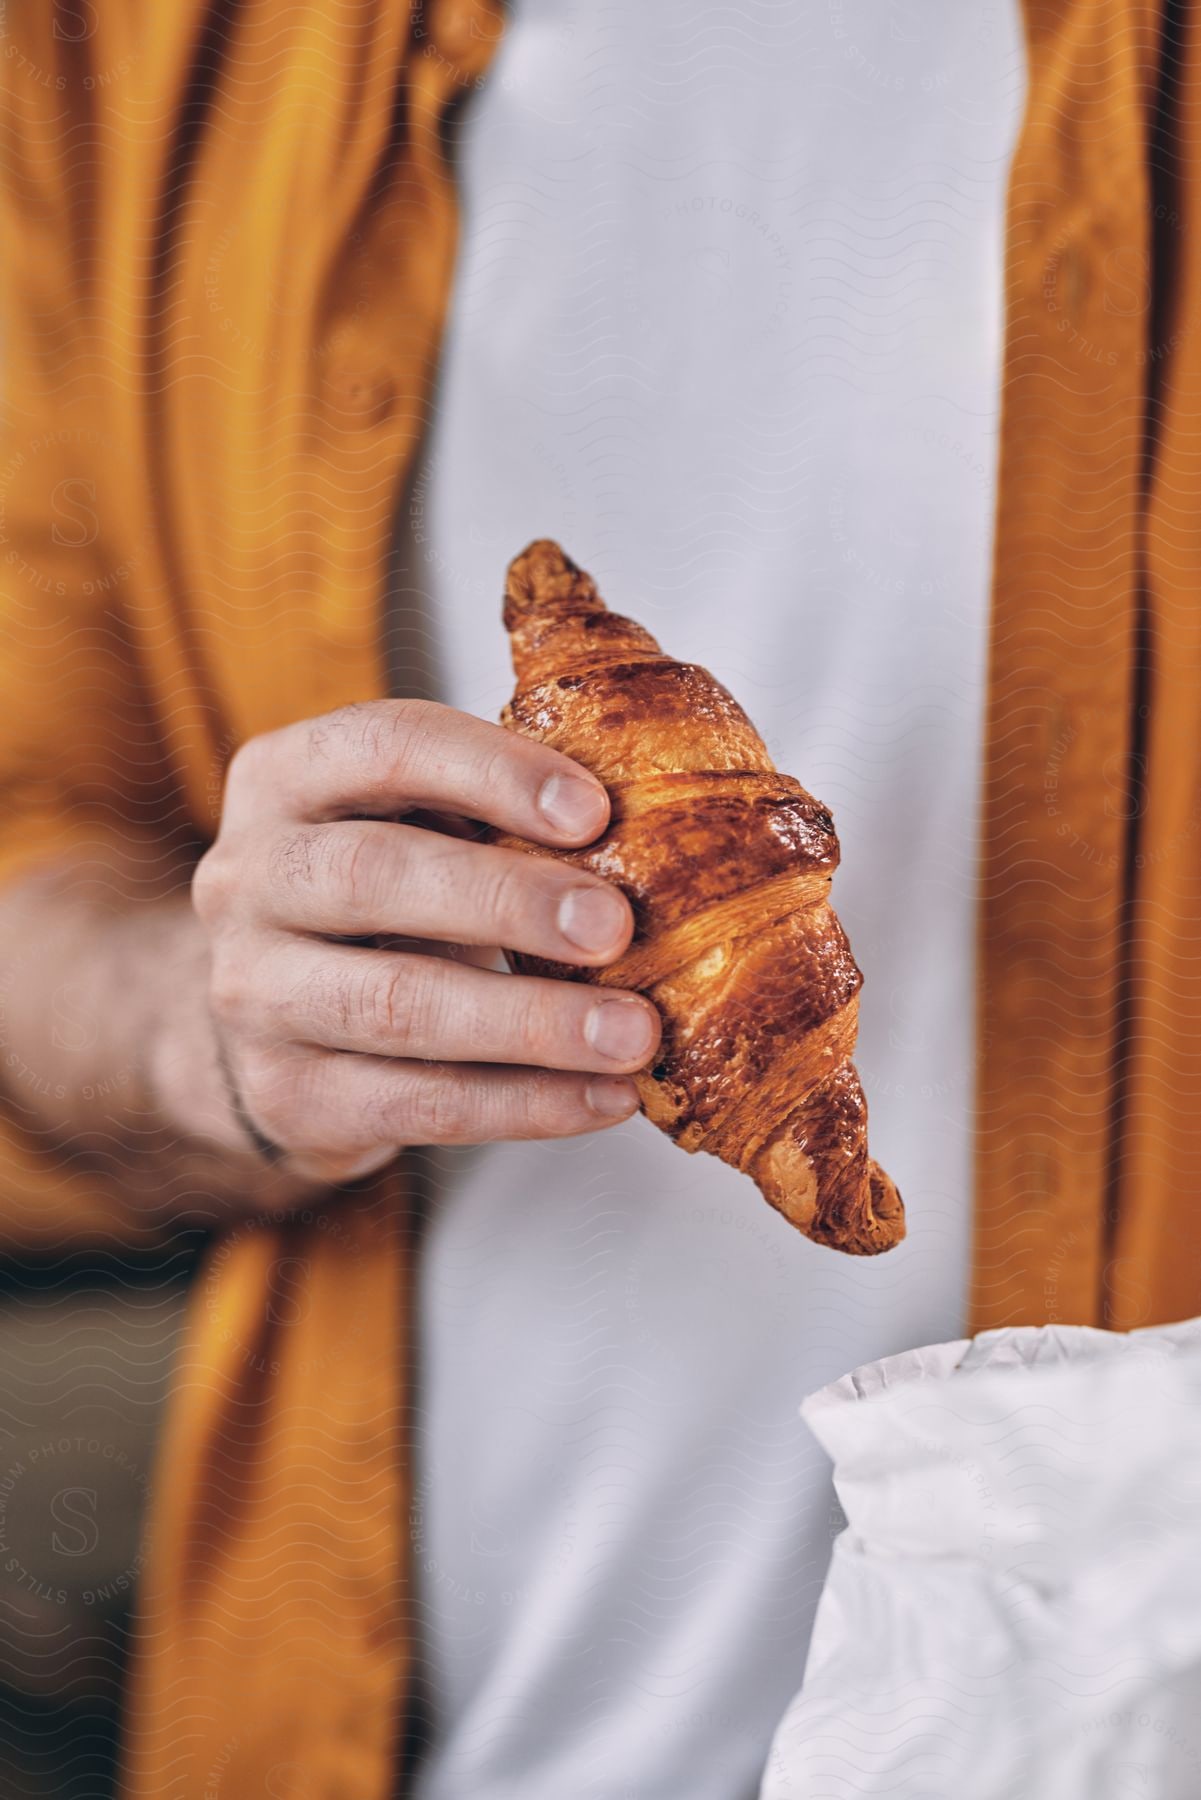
(107, 1045)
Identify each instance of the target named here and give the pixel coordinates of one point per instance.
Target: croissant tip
(865, 1220)
(886, 1213)
(873, 1227)
(543, 577)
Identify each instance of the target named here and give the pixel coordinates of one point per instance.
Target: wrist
(186, 1085)
(269, 1152)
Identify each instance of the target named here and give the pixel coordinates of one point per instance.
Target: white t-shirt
(727, 324)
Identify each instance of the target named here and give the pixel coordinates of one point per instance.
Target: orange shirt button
(364, 399)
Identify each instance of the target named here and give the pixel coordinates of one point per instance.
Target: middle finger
(358, 877)
(391, 1003)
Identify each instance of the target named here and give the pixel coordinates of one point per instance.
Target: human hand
(341, 1052)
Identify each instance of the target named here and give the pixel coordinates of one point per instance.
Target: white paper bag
(1014, 1609)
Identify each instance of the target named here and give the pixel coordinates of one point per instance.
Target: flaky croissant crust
(727, 866)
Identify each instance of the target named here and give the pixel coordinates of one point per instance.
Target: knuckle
(495, 765)
(377, 736)
(428, 739)
(554, 1106)
(394, 1010)
(538, 1104)
(372, 735)
(359, 872)
(507, 893)
(328, 995)
(246, 763)
(374, 1117)
(536, 1025)
(291, 860)
(389, 1002)
(507, 770)
(343, 728)
(441, 1110)
(406, 742)
(212, 885)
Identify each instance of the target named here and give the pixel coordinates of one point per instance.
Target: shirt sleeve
(80, 764)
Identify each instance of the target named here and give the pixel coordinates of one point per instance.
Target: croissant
(727, 866)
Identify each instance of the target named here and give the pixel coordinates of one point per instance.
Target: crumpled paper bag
(1013, 1611)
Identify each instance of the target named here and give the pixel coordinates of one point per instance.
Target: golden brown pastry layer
(727, 866)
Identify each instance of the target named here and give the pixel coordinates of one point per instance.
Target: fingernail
(572, 806)
(621, 1029)
(611, 1098)
(592, 918)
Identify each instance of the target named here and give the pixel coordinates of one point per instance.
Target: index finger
(380, 758)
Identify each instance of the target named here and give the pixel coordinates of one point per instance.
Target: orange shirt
(227, 236)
